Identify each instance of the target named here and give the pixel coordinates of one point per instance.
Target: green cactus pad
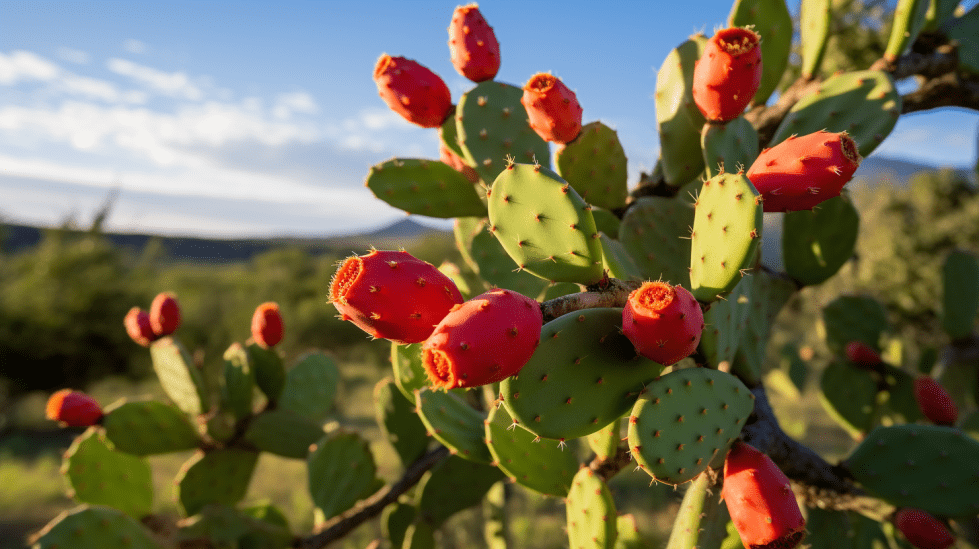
(842, 530)
(495, 266)
(311, 386)
(409, 373)
(617, 261)
(270, 373)
(395, 520)
(815, 244)
(927, 467)
(687, 526)
(727, 229)
(769, 294)
(939, 13)
(908, 20)
(454, 423)
(583, 375)
(425, 187)
(94, 527)
(960, 296)
(771, 20)
(419, 535)
(864, 104)
(725, 323)
(849, 396)
(900, 404)
(732, 146)
(99, 475)
(854, 318)
(965, 29)
(283, 432)
(544, 468)
(223, 526)
(492, 125)
(595, 166)
(628, 533)
(265, 511)
(678, 119)
(399, 424)
(605, 441)
(656, 233)
(180, 379)
(606, 222)
(591, 513)
(341, 472)
(218, 476)
(449, 135)
(544, 225)
(814, 27)
(452, 486)
(147, 427)
(238, 383)
(684, 419)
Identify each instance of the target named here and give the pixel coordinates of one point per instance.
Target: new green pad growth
(591, 512)
(425, 187)
(656, 231)
(99, 475)
(147, 427)
(595, 166)
(218, 476)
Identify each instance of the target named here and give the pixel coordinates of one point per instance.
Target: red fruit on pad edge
(663, 322)
(728, 74)
(934, 401)
(164, 314)
(73, 408)
(473, 47)
(137, 323)
(923, 530)
(267, 328)
(552, 108)
(413, 91)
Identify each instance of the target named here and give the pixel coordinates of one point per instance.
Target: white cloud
(174, 84)
(73, 56)
(134, 46)
(288, 104)
(22, 66)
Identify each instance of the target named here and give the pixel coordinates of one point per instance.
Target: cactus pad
(678, 118)
(591, 512)
(454, 423)
(769, 293)
(222, 526)
(219, 476)
(960, 297)
(238, 383)
(854, 318)
(180, 379)
(849, 396)
(726, 321)
(452, 486)
(270, 374)
(965, 29)
(656, 232)
(909, 18)
(595, 166)
(815, 244)
(395, 520)
(283, 432)
(814, 27)
(770, 19)
(398, 421)
(147, 427)
(488, 258)
(425, 187)
(409, 373)
(99, 475)
(606, 222)
(341, 472)
(732, 146)
(617, 261)
(94, 527)
(311, 387)
(605, 441)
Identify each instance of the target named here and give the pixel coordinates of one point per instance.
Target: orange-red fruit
(760, 500)
(923, 530)
(728, 74)
(73, 408)
(393, 295)
(862, 354)
(803, 171)
(663, 322)
(484, 340)
(935, 402)
(267, 325)
(164, 314)
(552, 108)
(473, 47)
(138, 327)
(412, 90)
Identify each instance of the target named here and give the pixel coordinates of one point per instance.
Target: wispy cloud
(288, 104)
(133, 46)
(72, 55)
(26, 67)
(174, 84)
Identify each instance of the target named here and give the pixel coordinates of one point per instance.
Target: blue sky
(243, 119)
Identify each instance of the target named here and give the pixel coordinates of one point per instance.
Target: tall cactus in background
(568, 237)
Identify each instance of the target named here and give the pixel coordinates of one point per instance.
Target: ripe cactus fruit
(137, 323)
(862, 354)
(934, 401)
(484, 340)
(728, 73)
(801, 172)
(392, 295)
(412, 90)
(664, 322)
(73, 408)
(923, 530)
(473, 47)
(760, 499)
(164, 314)
(267, 325)
(552, 108)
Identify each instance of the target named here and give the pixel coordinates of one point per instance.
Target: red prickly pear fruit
(138, 327)
(862, 354)
(760, 500)
(412, 90)
(923, 530)
(934, 401)
(393, 295)
(164, 314)
(448, 156)
(73, 408)
(801, 172)
(484, 340)
(267, 325)
(728, 74)
(552, 108)
(663, 322)
(473, 47)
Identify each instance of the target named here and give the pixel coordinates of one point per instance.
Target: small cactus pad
(864, 104)
(595, 166)
(965, 29)
(684, 419)
(454, 485)
(726, 232)
(238, 383)
(816, 243)
(270, 373)
(655, 231)
(678, 118)
(544, 225)
(180, 379)
(688, 525)
(545, 468)
(341, 472)
(583, 375)
(726, 321)
(770, 19)
(591, 513)
(928, 467)
(218, 476)
(492, 125)
(628, 533)
(909, 18)
(486, 256)
(311, 387)
(147, 427)
(849, 396)
(409, 373)
(854, 318)
(454, 423)
(617, 260)
(398, 421)
(814, 27)
(605, 441)
(283, 432)
(731, 146)
(425, 187)
(99, 475)
(94, 527)
(960, 297)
